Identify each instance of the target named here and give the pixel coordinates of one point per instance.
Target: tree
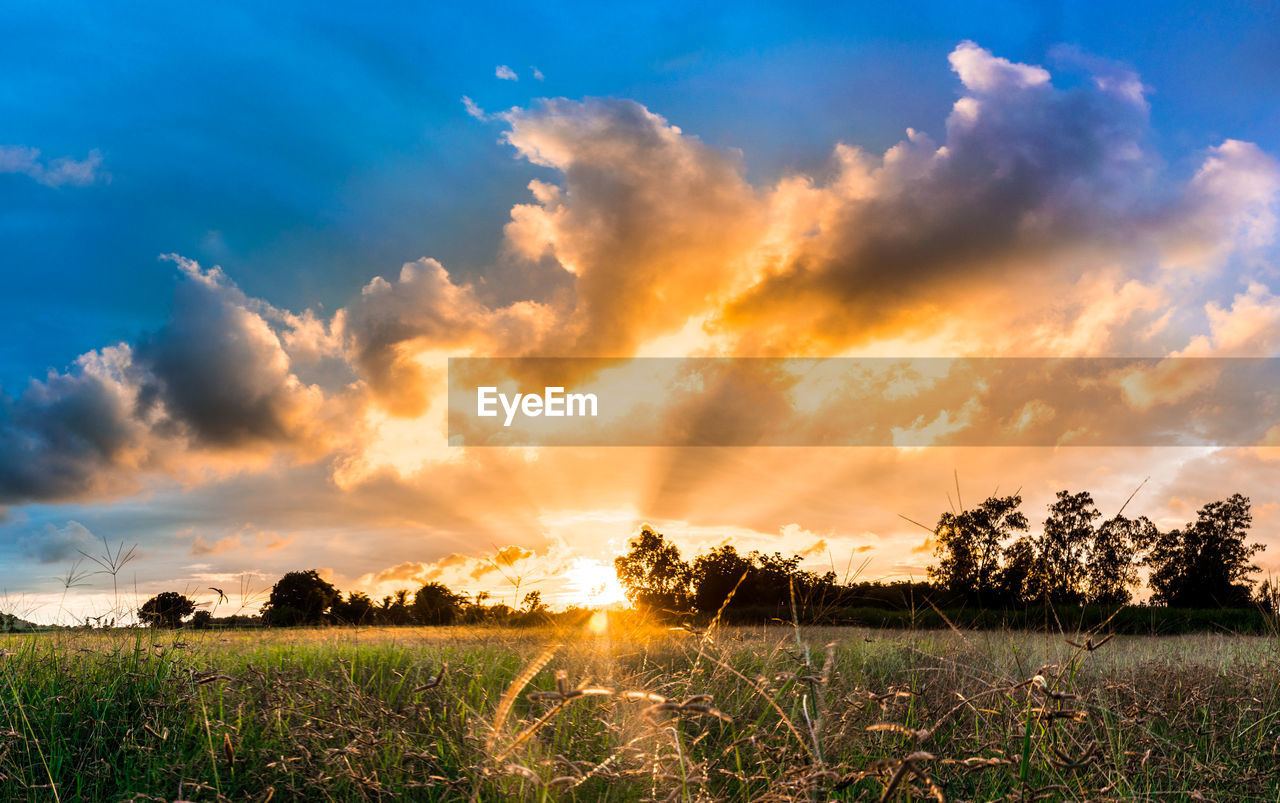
(435, 604)
(533, 604)
(759, 579)
(968, 545)
(1068, 533)
(394, 609)
(652, 572)
(201, 620)
(166, 609)
(1018, 581)
(356, 609)
(1268, 598)
(1111, 566)
(1207, 562)
(300, 598)
(715, 574)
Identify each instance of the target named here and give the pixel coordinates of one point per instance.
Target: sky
(239, 245)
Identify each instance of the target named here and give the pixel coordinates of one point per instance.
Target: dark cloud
(1031, 181)
(72, 434)
(214, 378)
(218, 370)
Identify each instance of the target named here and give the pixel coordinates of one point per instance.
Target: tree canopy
(300, 598)
(652, 572)
(435, 604)
(1076, 560)
(968, 545)
(166, 609)
(1207, 562)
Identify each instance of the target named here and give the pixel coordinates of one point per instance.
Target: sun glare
(593, 584)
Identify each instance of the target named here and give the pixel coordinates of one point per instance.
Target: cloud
(218, 370)
(259, 542)
(75, 433)
(389, 327)
(57, 544)
(63, 170)
(214, 385)
(1030, 184)
(818, 548)
(537, 74)
(414, 573)
(652, 224)
(506, 73)
(1041, 222)
(473, 109)
(511, 555)
(982, 72)
(455, 569)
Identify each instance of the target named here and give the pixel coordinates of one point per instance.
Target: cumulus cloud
(391, 325)
(219, 371)
(456, 569)
(506, 73)
(75, 433)
(215, 382)
(652, 224)
(52, 173)
(982, 72)
(409, 573)
(1032, 183)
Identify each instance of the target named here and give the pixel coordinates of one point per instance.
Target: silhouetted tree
(356, 609)
(1062, 547)
(1113, 557)
(761, 580)
(714, 574)
(652, 572)
(201, 620)
(166, 609)
(1207, 562)
(435, 604)
(394, 609)
(1018, 581)
(300, 598)
(533, 603)
(476, 610)
(1268, 597)
(968, 545)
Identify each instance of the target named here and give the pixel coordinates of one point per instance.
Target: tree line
(306, 598)
(985, 557)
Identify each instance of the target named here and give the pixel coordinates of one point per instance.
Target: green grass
(347, 714)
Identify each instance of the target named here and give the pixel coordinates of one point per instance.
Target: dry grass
(766, 713)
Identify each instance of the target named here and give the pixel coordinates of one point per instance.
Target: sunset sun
(593, 584)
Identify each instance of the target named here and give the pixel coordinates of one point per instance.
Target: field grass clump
(636, 712)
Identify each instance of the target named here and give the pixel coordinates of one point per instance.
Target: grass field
(636, 712)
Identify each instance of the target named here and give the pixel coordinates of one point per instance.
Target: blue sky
(307, 147)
